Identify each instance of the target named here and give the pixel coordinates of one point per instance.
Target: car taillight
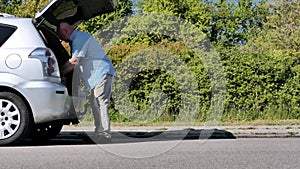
(48, 60)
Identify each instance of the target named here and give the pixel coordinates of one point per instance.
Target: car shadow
(121, 137)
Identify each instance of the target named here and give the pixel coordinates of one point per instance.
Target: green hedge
(258, 85)
(154, 83)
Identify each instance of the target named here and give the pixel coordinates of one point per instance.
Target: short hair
(58, 24)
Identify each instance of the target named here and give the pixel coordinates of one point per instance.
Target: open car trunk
(73, 12)
(62, 56)
(52, 41)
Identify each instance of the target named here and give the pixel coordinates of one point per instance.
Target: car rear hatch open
(73, 11)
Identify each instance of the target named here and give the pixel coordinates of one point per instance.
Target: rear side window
(5, 32)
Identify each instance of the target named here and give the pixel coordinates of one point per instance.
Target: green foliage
(226, 23)
(263, 75)
(94, 24)
(153, 83)
(261, 61)
(233, 22)
(22, 8)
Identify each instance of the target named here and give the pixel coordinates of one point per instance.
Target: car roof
(6, 15)
(15, 20)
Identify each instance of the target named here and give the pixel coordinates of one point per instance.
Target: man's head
(64, 30)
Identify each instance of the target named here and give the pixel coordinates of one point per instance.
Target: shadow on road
(84, 137)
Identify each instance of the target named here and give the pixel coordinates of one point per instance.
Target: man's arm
(69, 66)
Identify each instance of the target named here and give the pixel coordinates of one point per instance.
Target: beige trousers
(99, 100)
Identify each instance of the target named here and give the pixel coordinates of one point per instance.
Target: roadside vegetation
(258, 42)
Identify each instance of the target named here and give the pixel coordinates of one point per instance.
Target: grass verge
(88, 121)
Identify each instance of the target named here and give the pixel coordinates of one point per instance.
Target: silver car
(33, 100)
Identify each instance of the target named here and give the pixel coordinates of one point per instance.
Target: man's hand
(73, 61)
(69, 66)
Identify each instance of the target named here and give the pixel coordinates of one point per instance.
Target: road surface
(139, 153)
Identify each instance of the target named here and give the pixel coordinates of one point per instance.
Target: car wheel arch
(16, 92)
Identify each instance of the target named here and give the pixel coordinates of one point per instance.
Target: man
(96, 70)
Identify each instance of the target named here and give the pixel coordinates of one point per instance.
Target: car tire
(46, 131)
(15, 119)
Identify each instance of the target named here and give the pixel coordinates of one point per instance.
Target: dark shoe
(102, 139)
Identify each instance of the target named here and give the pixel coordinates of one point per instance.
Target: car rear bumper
(48, 101)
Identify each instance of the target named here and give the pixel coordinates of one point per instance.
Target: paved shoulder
(197, 132)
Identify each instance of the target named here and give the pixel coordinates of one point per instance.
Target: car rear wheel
(15, 119)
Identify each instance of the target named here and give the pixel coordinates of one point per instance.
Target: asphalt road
(141, 153)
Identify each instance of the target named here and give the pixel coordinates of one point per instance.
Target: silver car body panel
(48, 99)
(25, 30)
